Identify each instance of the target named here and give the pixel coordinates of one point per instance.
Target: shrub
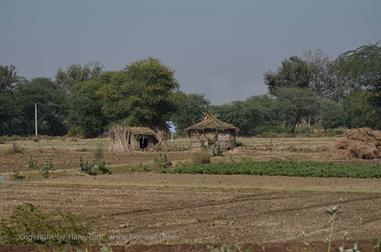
(28, 224)
(46, 168)
(94, 167)
(17, 174)
(201, 157)
(216, 150)
(32, 164)
(163, 161)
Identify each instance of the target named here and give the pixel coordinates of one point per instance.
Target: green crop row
(285, 168)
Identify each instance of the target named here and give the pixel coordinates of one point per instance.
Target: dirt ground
(66, 152)
(149, 208)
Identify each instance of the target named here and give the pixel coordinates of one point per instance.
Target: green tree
(10, 114)
(297, 105)
(189, 109)
(51, 101)
(85, 109)
(362, 70)
(293, 72)
(359, 111)
(331, 114)
(9, 78)
(76, 73)
(255, 115)
(150, 85)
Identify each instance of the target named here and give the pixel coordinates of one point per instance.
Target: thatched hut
(132, 139)
(212, 131)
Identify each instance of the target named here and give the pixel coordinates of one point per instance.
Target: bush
(163, 161)
(93, 168)
(17, 174)
(28, 224)
(32, 164)
(202, 157)
(46, 168)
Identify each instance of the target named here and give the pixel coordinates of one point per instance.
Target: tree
(76, 73)
(10, 114)
(324, 79)
(189, 109)
(51, 101)
(8, 78)
(362, 70)
(253, 116)
(296, 105)
(85, 109)
(150, 85)
(294, 72)
(331, 114)
(360, 112)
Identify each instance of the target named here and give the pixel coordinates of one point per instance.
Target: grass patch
(28, 225)
(285, 168)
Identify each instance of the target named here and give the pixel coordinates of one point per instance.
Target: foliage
(51, 106)
(28, 224)
(46, 168)
(359, 112)
(189, 109)
(8, 78)
(297, 104)
(163, 161)
(17, 174)
(85, 109)
(76, 73)
(32, 164)
(331, 114)
(252, 116)
(293, 73)
(286, 168)
(98, 165)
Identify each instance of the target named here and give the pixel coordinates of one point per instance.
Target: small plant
(94, 167)
(216, 150)
(85, 167)
(46, 168)
(17, 174)
(146, 167)
(32, 164)
(332, 211)
(163, 161)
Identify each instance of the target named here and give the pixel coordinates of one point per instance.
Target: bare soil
(148, 208)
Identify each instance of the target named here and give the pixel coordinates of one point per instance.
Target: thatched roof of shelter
(141, 131)
(211, 122)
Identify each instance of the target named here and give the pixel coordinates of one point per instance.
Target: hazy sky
(217, 47)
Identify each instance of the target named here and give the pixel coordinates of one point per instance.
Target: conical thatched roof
(211, 122)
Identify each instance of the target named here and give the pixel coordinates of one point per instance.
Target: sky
(219, 48)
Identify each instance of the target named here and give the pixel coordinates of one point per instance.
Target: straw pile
(361, 143)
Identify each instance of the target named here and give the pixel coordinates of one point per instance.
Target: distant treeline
(85, 100)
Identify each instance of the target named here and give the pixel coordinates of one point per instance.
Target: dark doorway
(143, 142)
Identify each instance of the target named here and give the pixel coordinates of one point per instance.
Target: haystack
(361, 143)
(211, 131)
(132, 139)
